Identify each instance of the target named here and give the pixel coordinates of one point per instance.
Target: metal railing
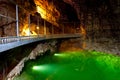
(5, 40)
(10, 39)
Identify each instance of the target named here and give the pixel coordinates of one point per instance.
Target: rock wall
(7, 24)
(102, 45)
(39, 50)
(71, 45)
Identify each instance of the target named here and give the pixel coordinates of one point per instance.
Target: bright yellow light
(37, 27)
(34, 33)
(45, 14)
(47, 11)
(42, 12)
(26, 31)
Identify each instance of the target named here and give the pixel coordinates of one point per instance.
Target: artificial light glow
(44, 68)
(26, 31)
(41, 67)
(56, 54)
(37, 27)
(42, 12)
(38, 67)
(61, 55)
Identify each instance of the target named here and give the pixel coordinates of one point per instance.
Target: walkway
(7, 43)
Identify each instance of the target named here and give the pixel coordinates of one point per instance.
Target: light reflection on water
(83, 65)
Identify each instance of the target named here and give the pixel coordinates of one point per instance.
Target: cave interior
(96, 20)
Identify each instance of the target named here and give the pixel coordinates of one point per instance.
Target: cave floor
(82, 65)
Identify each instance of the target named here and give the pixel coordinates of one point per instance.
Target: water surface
(82, 65)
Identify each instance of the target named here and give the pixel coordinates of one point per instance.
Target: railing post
(53, 22)
(75, 28)
(52, 29)
(45, 30)
(38, 27)
(44, 27)
(29, 24)
(63, 29)
(17, 21)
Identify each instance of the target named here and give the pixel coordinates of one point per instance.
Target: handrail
(5, 40)
(9, 39)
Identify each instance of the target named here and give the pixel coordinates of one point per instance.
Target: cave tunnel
(95, 55)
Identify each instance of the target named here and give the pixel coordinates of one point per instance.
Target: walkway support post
(45, 24)
(44, 27)
(63, 29)
(75, 28)
(52, 29)
(29, 24)
(17, 22)
(38, 27)
(53, 21)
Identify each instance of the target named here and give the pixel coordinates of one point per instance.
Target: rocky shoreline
(104, 45)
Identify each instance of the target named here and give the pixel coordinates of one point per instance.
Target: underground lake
(79, 65)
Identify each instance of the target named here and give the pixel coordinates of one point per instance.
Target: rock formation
(39, 50)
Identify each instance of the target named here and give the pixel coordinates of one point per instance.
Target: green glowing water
(84, 65)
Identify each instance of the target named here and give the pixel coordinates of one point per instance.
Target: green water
(84, 65)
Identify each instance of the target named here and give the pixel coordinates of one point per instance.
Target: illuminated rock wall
(47, 11)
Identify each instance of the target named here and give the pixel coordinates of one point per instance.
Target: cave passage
(82, 65)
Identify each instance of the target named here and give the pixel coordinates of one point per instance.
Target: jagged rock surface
(39, 50)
